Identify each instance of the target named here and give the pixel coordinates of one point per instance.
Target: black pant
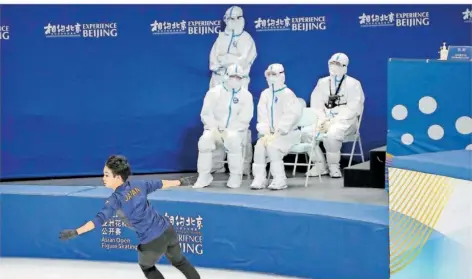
(168, 244)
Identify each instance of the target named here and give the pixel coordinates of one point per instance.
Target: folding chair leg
(295, 165)
(362, 151)
(352, 151)
(319, 174)
(306, 174)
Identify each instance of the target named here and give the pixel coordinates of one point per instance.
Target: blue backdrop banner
(79, 82)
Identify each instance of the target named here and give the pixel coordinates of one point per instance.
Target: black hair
(119, 165)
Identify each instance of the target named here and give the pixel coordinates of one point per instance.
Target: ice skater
(129, 201)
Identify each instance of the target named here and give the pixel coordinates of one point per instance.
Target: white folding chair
(308, 118)
(354, 138)
(244, 143)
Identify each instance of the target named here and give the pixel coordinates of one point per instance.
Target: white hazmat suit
(338, 100)
(278, 113)
(233, 46)
(226, 114)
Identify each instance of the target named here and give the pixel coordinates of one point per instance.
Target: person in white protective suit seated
(226, 114)
(338, 100)
(233, 46)
(278, 113)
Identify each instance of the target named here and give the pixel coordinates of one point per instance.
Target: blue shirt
(130, 201)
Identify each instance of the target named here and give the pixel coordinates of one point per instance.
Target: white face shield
(234, 77)
(234, 20)
(275, 76)
(337, 69)
(235, 82)
(337, 65)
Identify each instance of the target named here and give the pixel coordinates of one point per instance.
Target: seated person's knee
(260, 145)
(206, 143)
(273, 153)
(334, 134)
(232, 141)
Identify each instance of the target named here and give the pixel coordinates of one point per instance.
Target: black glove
(67, 234)
(188, 180)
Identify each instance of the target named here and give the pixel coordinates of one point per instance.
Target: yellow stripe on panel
(416, 203)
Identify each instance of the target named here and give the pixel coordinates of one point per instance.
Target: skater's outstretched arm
(111, 205)
(156, 184)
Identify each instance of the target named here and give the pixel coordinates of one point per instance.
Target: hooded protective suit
(278, 112)
(226, 114)
(233, 46)
(338, 100)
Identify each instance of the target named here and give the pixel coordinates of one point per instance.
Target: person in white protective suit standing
(338, 100)
(233, 46)
(226, 114)
(278, 113)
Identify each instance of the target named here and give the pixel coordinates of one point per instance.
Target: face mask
(230, 24)
(274, 81)
(235, 24)
(335, 70)
(234, 83)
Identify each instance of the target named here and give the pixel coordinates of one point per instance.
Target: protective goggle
(236, 77)
(336, 63)
(230, 18)
(270, 73)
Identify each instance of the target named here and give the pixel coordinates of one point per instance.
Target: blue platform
(286, 236)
